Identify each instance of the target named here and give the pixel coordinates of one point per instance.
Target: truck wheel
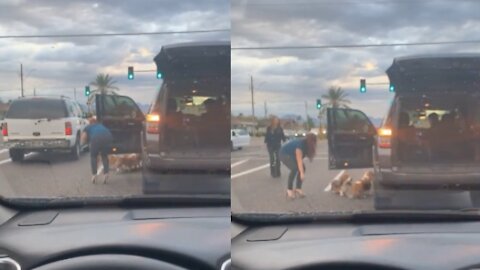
(75, 152)
(17, 155)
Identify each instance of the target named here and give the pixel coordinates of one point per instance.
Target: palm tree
(335, 98)
(104, 84)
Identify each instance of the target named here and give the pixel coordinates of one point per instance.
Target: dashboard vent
(226, 265)
(9, 264)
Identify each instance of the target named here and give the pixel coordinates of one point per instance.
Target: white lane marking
(9, 160)
(5, 161)
(238, 163)
(3, 151)
(250, 171)
(328, 188)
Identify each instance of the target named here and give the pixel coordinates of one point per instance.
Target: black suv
(429, 139)
(188, 124)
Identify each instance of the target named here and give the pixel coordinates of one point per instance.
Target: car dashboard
(115, 238)
(383, 246)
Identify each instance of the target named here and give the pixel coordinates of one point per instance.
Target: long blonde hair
(274, 122)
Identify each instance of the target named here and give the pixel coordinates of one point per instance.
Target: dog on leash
(345, 186)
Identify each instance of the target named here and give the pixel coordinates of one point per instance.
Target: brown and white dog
(124, 163)
(344, 185)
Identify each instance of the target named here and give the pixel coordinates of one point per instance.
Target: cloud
(299, 76)
(57, 65)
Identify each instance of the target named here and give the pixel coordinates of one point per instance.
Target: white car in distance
(239, 138)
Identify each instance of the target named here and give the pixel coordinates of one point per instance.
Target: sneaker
(94, 178)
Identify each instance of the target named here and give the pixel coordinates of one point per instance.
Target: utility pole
(21, 78)
(75, 94)
(253, 101)
(265, 107)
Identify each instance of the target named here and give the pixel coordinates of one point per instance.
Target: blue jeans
(291, 164)
(100, 145)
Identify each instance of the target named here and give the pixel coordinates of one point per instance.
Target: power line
(114, 34)
(340, 46)
(347, 2)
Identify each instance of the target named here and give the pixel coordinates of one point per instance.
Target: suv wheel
(16, 155)
(75, 152)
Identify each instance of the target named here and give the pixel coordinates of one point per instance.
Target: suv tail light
(4, 129)
(68, 128)
(384, 137)
(152, 123)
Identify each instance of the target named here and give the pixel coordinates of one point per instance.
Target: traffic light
(319, 104)
(363, 86)
(392, 88)
(87, 91)
(159, 74)
(130, 73)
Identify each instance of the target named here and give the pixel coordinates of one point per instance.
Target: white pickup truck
(38, 124)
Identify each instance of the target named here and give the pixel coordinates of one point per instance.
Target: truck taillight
(68, 128)
(384, 137)
(4, 129)
(153, 121)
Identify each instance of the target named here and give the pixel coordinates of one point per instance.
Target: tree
(335, 98)
(104, 84)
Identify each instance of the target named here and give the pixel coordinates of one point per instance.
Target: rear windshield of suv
(37, 109)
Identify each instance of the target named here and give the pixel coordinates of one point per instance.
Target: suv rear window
(198, 112)
(37, 109)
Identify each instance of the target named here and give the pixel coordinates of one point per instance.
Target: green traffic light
(363, 86)
(87, 91)
(392, 88)
(130, 73)
(159, 75)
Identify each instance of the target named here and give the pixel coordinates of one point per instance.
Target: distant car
(239, 138)
(289, 134)
(37, 124)
(300, 133)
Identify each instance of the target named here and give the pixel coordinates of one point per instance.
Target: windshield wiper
(172, 200)
(355, 216)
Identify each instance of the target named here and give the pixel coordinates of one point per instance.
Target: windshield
(355, 106)
(84, 91)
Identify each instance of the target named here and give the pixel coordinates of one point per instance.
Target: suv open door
(122, 116)
(351, 138)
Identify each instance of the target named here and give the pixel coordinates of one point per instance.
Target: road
(56, 175)
(253, 190)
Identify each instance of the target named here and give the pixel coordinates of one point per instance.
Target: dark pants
(291, 164)
(100, 145)
(273, 152)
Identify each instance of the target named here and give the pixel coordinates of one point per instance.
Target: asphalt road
(56, 175)
(253, 190)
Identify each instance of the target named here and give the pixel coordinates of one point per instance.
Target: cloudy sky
(58, 65)
(288, 78)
